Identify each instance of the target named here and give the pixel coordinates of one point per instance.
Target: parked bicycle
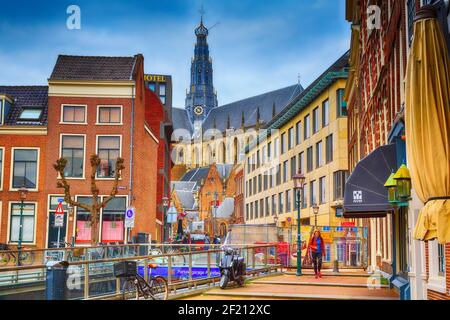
(136, 287)
(16, 257)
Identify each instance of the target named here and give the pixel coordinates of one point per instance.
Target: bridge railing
(184, 266)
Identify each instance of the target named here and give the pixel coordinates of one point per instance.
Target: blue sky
(258, 45)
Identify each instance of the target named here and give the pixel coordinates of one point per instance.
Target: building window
(152, 86)
(72, 149)
(1, 169)
(315, 120)
(339, 180)
(74, 114)
(162, 92)
(247, 212)
(261, 208)
(108, 149)
(109, 115)
(274, 205)
(83, 224)
(251, 211)
(276, 147)
(254, 185)
(327, 257)
(278, 174)
(30, 114)
(307, 127)
(113, 220)
(283, 143)
(288, 201)
(256, 209)
(291, 138)
(312, 193)
(319, 158)
(329, 149)
(441, 260)
(298, 133)
(285, 171)
(280, 203)
(293, 166)
(263, 155)
(301, 161)
(259, 183)
(249, 190)
(265, 179)
(309, 159)
(258, 159)
(28, 222)
(269, 151)
(25, 168)
(267, 207)
(325, 113)
(304, 197)
(322, 191)
(341, 104)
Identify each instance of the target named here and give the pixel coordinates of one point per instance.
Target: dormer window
(30, 114)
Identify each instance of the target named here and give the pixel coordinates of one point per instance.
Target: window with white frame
(109, 115)
(108, 149)
(73, 114)
(25, 168)
(26, 233)
(436, 281)
(1, 168)
(72, 149)
(113, 220)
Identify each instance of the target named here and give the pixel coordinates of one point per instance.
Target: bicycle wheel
(159, 288)
(129, 290)
(26, 258)
(4, 258)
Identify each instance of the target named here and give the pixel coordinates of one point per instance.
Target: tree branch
(60, 167)
(118, 174)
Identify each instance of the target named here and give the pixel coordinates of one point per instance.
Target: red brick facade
(8, 195)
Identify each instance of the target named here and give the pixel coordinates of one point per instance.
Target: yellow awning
(427, 121)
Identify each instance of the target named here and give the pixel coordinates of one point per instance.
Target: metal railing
(185, 270)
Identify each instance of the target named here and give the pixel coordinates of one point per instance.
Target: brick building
(382, 32)
(97, 106)
(23, 138)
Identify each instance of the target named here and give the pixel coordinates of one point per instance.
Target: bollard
(336, 266)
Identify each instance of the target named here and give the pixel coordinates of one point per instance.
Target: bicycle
(7, 255)
(136, 287)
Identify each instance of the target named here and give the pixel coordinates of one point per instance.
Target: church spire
(202, 97)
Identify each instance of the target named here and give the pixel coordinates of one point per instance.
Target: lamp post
(316, 212)
(23, 196)
(299, 184)
(399, 194)
(165, 201)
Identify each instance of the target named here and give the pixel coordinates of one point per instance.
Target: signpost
(130, 214)
(59, 220)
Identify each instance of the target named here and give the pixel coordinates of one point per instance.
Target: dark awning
(365, 194)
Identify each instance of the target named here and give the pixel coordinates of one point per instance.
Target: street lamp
(316, 212)
(299, 184)
(165, 201)
(23, 192)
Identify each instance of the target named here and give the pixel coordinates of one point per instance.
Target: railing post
(209, 264)
(86, 281)
(118, 289)
(146, 269)
(253, 258)
(169, 271)
(190, 269)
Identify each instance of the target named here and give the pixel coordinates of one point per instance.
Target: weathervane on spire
(202, 12)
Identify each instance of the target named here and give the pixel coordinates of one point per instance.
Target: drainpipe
(130, 192)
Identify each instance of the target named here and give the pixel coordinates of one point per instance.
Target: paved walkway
(306, 287)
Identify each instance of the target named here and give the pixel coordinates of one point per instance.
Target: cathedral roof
(249, 107)
(233, 112)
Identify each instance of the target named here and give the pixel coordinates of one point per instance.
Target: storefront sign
(348, 224)
(154, 78)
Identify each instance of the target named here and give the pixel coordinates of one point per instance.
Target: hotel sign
(154, 78)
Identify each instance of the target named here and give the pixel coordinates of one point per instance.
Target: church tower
(201, 98)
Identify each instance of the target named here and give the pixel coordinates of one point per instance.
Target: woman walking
(317, 247)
